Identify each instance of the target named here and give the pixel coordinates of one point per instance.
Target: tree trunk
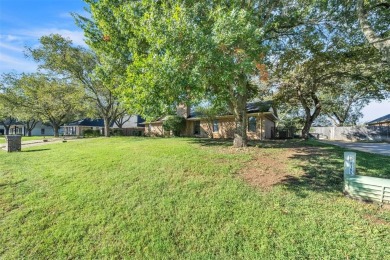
(56, 130)
(310, 119)
(106, 127)
(240, 137)
(7, 129)
(306, 129)
(30, 124)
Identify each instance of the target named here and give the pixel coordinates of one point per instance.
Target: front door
(196, 127)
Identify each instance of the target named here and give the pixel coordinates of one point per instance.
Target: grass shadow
(212, 142)
(35, 150)
(12, 183)
(321, 168)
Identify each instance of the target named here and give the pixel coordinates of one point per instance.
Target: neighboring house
(381, 121)
(19, 128)
(132, 126)
(381, 127)
(261, 120)
(77, 127)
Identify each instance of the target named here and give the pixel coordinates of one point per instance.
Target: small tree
(175, 124)
(209, 114)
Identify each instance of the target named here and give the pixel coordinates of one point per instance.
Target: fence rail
(367, 188)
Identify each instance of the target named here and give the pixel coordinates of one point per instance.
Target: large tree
(176, 51)
(374, 22)
(8, 102)
(318, 82)
(49, 99)
(75, 63)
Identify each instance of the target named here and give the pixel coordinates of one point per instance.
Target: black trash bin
(14, 143)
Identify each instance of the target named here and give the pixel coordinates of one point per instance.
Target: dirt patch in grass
(267, 169)
(376, 220)
(270, 167)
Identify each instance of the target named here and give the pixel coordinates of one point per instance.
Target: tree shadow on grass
(12, 183)
(321, 170)
(35, 150)
(212, 142)
(311, 165)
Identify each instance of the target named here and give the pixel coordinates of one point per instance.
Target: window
(215, 126)
(197, 128)
(252, 124)
(42, 131)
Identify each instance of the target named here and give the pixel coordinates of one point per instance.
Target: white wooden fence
(364, 187)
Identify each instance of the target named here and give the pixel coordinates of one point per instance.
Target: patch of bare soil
(376, 220)
(268, 168)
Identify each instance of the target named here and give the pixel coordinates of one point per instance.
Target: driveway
(378, 148)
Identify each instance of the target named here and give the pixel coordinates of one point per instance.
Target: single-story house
(381, 121)
(77, 127)
(19, 128)
(132, 125)
(261, 121)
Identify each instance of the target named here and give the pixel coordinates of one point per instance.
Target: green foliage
(60, 56)
(209, 113)
(183, 51)
(176, 124)
(91, 133)
(44, 97)
(117, 132)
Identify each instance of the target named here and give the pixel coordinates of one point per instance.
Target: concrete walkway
(32, 143)
(377, 148)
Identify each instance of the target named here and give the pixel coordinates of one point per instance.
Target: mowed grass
(176, 198)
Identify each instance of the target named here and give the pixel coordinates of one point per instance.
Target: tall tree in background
(318, 83)
(58, 55)
(51, 100)
(8, 102)
(175, 51)
(7, 114)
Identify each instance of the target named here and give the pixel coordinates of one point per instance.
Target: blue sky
(23, 22)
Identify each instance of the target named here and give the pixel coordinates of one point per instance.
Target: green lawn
(181, 198)
(25, 138)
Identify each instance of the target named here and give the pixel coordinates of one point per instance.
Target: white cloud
(10, 47)
(10, 63)
(9, 38)
(76, 36)
(13, 44)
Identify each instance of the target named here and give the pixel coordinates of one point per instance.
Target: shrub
(117, 132)
(175, 124)
(91, 133)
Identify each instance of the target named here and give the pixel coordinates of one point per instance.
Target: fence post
(383, 194)
(349, 163)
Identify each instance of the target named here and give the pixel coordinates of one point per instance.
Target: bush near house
(91, 133)
(117, 132)
(175, 124)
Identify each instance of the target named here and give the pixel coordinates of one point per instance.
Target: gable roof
(87, 122)
(251, 107)
(382, 119)
(259, 107)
